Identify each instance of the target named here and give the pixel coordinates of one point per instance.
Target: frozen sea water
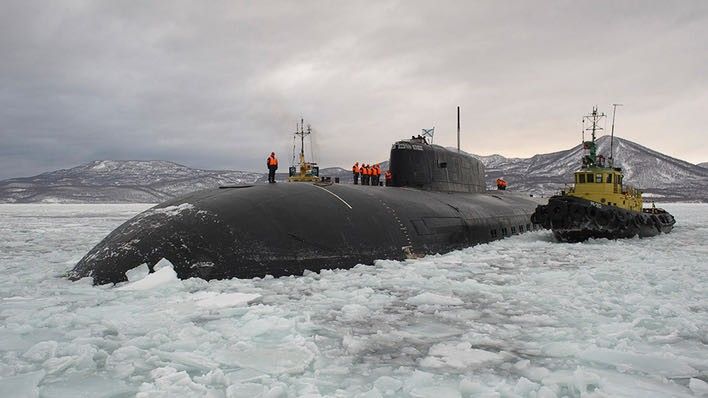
(521, 317)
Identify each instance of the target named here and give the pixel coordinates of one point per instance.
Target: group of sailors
(370, 174)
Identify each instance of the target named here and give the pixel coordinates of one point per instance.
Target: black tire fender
(637, 221)
(577, 212)
(603, 218)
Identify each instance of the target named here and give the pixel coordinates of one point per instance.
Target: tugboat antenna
(582, 130)
(612, 134)
(458, 129)
(593, 119)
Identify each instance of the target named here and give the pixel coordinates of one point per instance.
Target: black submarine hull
(575, 220)
(288, 228)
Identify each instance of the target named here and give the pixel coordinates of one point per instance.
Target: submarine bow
(284, 229)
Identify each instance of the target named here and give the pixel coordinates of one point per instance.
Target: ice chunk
(418, 379)
(169, 382)
(524, 387)
(227, 300)
(189, 360)
(354, 312)
(460, 356)
(21, 386)
(433, 299)
(698, 386)
(436, 392)
(41, 351)
(286, 358)
(162, 264)
(373, 393)
(137, 273)
(87, 386)
(245, 390)
(388, 385)
(162, 277)
(667, 365)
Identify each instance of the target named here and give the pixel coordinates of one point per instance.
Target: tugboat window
(609, 178)
(589, 177)
(598, 178)
(581, 178)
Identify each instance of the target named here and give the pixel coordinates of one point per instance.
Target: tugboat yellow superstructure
(303, 171)
(599, 205)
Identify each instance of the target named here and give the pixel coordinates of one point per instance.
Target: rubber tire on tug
(576, 219)
(577, 212)
(603, 218)
(559, 213)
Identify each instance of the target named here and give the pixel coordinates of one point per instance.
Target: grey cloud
(221, 84)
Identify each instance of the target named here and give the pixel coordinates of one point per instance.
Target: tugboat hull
(575, 219)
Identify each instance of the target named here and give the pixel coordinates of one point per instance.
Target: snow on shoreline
(525, 316)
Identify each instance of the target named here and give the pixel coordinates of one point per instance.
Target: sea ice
(521, 317)
(137, 273)
(164, 275)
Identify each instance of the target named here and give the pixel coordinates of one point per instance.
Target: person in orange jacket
(272, 163)
(373, 174)
(389, 177)
(355, 171)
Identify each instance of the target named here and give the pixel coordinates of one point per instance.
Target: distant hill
(704, 165)
(659, 175)
(118, 181)
(114, 181)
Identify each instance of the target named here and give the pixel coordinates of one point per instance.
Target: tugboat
(599, 205)
(304, 171)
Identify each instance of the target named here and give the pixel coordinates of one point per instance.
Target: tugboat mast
(594, 120)
(302, 171)
(302, 133)
(612, 134)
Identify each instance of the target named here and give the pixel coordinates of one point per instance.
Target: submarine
(436, 202)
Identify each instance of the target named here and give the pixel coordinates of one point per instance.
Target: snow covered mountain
(118, 181)
(704, 165)
(659, 175)
(112, 181)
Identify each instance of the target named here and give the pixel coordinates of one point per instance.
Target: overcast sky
(220, 85)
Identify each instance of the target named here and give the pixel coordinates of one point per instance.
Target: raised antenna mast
(458, 129)
(593, 119)
(582, 129)
(612, 134)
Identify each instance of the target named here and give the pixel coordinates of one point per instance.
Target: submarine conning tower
(417, 164)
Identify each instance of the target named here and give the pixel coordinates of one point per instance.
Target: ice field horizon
(522, 317)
